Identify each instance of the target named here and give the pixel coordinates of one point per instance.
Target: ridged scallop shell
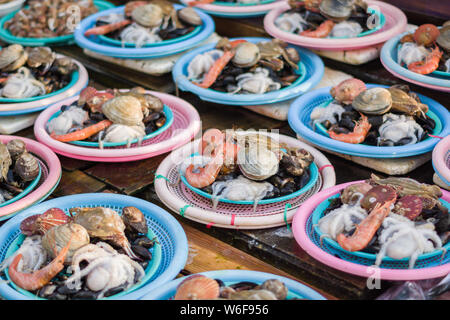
(197, 287)
(124, 110)
(374, 101)
(247, 55)
(27, 166)
(149, 15)
(12, 57)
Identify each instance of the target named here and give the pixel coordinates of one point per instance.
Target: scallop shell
(124, 110)
(197, 287)
(27, 166)
(374, 101)
(247, 55)
(12, 57)
(378, 194)
(149, 15)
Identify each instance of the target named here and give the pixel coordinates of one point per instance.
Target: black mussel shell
(244, 285)
(85, 294)
(220, 282)
(334, 204)
(144, 242)
(115, 290)
(65, 290)
(141, 252)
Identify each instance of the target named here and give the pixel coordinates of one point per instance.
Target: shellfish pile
(90, 254)
(426, 50)
(146, 22)
(49, 18)
(29, 72)
(327, 18)
(240, 66)
(246, 166)
(395, 217)
(18, 168)
(377, 116)
(110, 116)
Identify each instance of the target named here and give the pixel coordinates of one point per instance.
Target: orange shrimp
(321, 31)
(206, 175)
(197, 2)
(107, 28)
(430, 64)
(216, 69)
(83, 133)
(358, 135)
(366, 229)
(39, 278)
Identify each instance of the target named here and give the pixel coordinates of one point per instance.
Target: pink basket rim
(299, 227)
(438, 157)
(229, 9)
(54, 167)
(422, 84)
(83, 79)
(395, 24)
(181, 137)
(211, 218)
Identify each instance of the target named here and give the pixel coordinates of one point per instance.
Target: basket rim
(439, 160)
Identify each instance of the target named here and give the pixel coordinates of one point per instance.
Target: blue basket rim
(362, 150)
(364, 255)
(388, 51)
(149, 52)
(54, 41)
(439, 174)
(163, 217)
(237, 276)
(308, 58)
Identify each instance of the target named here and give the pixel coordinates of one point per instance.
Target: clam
(426, 34)
(16, 147)
(58, 237)
(148, 101)
(12, 57)
(149, 15)
(124, 110)
(257, 162)
(39, 56)
(5, 161)
(134, 220)
(64, 65)
(189, 16)
(276, 287)
(336, 10)
(374, 101)
(197, 287)
(444, 38)
(27, 166)
(247, 55)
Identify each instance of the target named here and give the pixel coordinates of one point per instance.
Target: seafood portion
(18, 168)
(66, 257)
(111, 116)
(244, 67)
(395, 217)
(327, 18)
(49, 18)
(246, 166)
(31, 72)
(376, 116)
(147, 22)
(426, 50)
(246, 2)
(199, 287)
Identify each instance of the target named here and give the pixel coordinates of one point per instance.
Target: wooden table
(215, 248)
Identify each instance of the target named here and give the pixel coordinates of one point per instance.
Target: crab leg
(107, 28)
(83, 133)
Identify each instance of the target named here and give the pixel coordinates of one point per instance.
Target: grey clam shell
(27, 166)
(190, 16)
(16, 147)
(374, 101)
(247, 55)
(336, 10)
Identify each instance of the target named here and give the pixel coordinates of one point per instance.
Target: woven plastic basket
(234, 10)
(190, 205)
(300, 121)
(10, 7)
(296, 289)
(441, 160)
(170, 235)
(429, 266)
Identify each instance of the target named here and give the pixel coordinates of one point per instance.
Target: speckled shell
(16, 147)
(27, 166)
(124, 110)
(149, 15)
(197, 287)
(378, 194)
(12, 57)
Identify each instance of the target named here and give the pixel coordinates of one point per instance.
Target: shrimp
(358, 135)
(366, 229)
(430, 64)
(197, 2)
(107, 28)
(321, 31)
(39, 278)
(83, 133)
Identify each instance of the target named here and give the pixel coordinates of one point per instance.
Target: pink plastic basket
(77, 87)
(185, 126)
(302, 236)
(395, 24)
(441, 160)
(182, 200)
(51, 173)
(236, 9)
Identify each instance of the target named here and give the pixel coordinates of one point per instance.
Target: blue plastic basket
(300, 121)
(432, 259)
(6, 36)
(311, 70)
(170, 234)
(26, 191)
(95, 44)
(296, 289)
